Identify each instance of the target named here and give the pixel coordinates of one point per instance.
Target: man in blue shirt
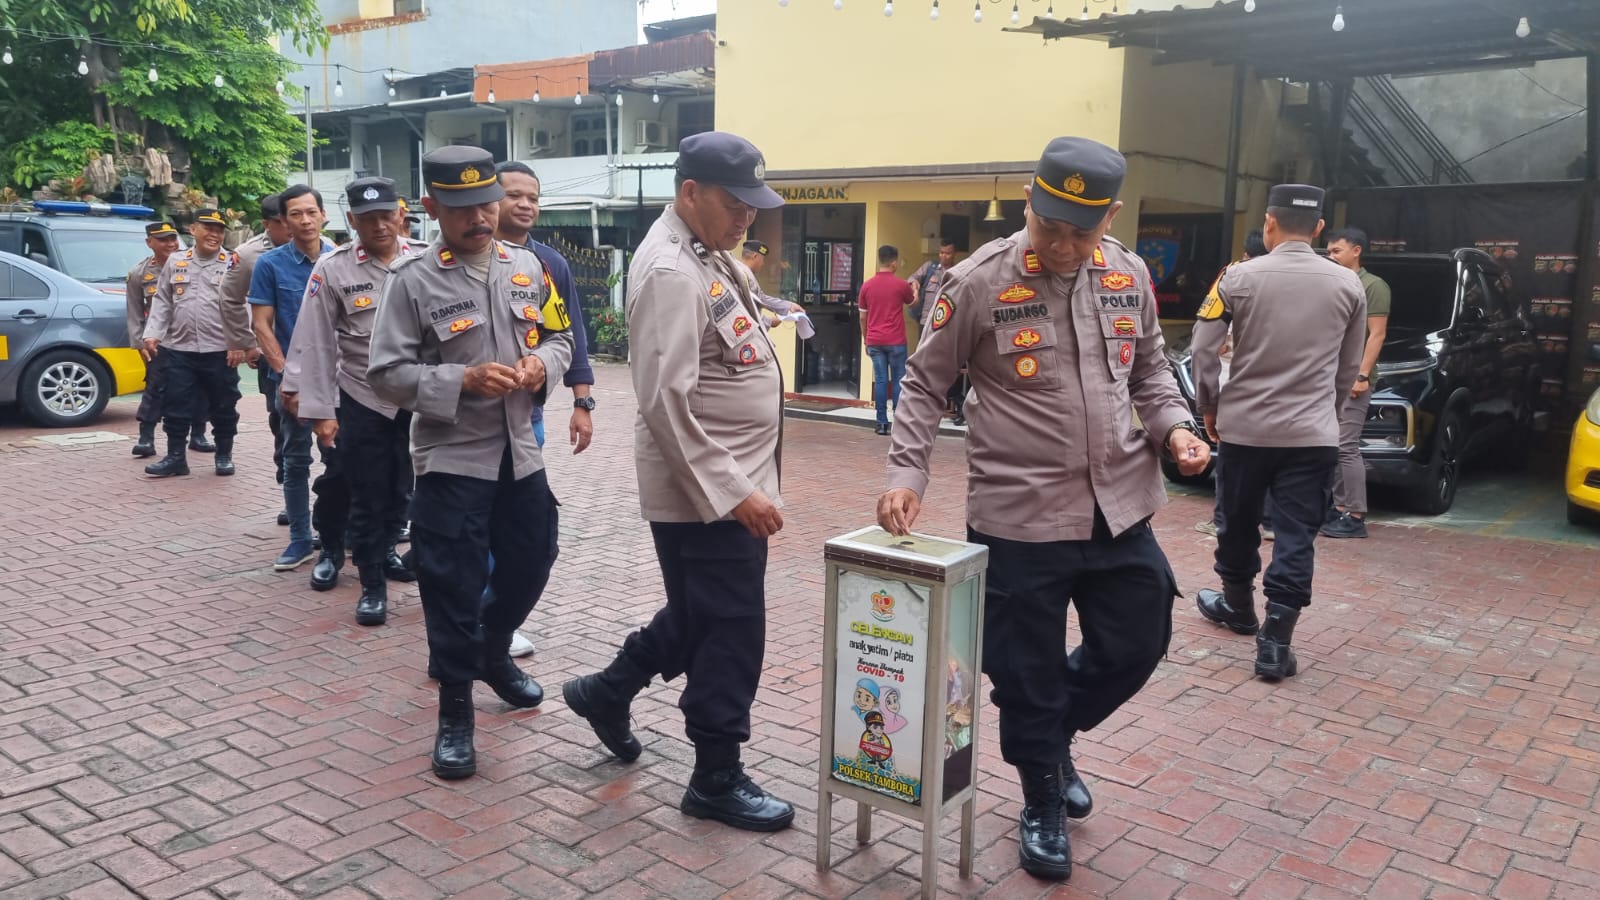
(281, 279)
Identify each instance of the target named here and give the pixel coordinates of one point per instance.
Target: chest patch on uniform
(942, 311)
(349, 289)
(747, 354)
(1031, 264)
(1005, 314)
(182, 264)
(521, 279)
(445, 312)
(1027, 366)
(1116, 281)
(722, 307)
(460, 325)
(740, 326)
(149, 290)
(179, 278)
(362, 302)
(531, 339)
(314, 285)
(1125, 326)
(717, 289)
(1016, 294)
(1026, 338)
(1119, 301)
(149, 276)
(530, 312)
(1125, 352)
(178, 292)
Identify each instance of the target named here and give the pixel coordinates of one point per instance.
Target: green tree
(234, 141)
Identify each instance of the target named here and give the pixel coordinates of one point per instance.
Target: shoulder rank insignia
(1031, 264)
(1099, 257)
(501, 252)
(699, 248)
(446, 258)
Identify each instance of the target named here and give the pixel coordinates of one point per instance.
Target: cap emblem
(370, 193)
(761, 169)
(1074, 184)
(469, 175)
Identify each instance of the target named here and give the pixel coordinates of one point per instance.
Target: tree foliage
(235, 141)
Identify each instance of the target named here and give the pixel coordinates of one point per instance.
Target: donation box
(902, 639)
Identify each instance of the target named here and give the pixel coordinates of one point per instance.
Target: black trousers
(455, 522)
(330, 509)
(1297, 478)
(1123, 589)
(713, 629)
(203, 380)
(269, 393)
(1217, 515)
(378, 452)
(155, 386)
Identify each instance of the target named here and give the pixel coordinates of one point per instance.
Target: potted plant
(611, 332)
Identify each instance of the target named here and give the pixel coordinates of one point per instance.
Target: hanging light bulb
(442, 92)
(83, 66)
(933, 14)
(1016, 14)
(783, 2)
(536, 97)
(152, 75)
(977, 12)
(391, 89)
(279, 87)
(655, 97)
(1085, 10)
(1338, 18)
(577, 100)
(338, 89)
(7, 58)
(1249, 5)
(217, 81)
(1050, 11)
(491, 94)
(888, 8)
(1522, 27)
(838, 4)
(619, 101)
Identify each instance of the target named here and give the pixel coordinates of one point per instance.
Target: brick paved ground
(178, 720)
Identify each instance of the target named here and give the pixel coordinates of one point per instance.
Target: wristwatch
(583, 403)
(1363, 378)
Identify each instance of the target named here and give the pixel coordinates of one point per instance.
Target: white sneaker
(520, 645)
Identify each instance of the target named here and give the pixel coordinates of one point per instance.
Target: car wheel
(1578, 515)
(1169, 468)
(1438, 492)
(64, 388)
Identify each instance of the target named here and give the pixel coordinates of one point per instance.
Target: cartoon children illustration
(892, 720)
(877, 751)
(866, 698)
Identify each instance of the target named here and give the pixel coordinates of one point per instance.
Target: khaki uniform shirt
(1299, 326)
(140, 290)
(333, 334)
(188, 311)
(710, 394)
(237, 285)
(1059, 365)
(434, 321)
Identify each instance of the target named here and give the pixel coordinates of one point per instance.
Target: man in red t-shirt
(882, 303)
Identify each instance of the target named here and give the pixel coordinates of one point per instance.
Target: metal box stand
(902, 653)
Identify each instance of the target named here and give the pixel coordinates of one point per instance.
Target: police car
(64, 347)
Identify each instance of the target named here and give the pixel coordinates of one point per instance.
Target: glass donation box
(902, 643)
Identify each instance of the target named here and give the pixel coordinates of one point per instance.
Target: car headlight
(1592, 411)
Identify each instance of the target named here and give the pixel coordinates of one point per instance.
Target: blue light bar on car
(82, 208)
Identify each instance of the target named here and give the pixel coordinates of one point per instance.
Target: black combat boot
(176, 462)
(373, 607)
(1074, 793)
(1274, 659)
(325, 574)
(224, 458)
(453, 754)
(603, 698)
(1234, 608)
(395, 567)
(504, 677)
(720, 790)
(199, 444)
(1043, 835)
(146, 445)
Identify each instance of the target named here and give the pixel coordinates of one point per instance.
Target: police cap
(209, 216)
(461, 175)
(160, 230)
(372, 194)
(1076, 181)
(1296, 196)
(720, 158)
(755, 248)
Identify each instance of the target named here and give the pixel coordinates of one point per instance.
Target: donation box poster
(882, 653)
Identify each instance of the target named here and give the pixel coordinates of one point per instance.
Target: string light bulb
(933, 14)
(888, 8)
(577, 100)
(977, 12)
(783, 2)
(655, 97)
(1523, 30)
(490, 98)
(152, 75)
(1085, 10)
(7, 58)
(1016, 14)
(1249, 5)
(619, 101)
(338, 88)
(536, 97)
(1050, 11)
(279, 87)
(217, 81)
(1338, 18)
(838, 5)
(83, 66)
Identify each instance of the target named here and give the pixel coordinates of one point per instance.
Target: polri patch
(314, 285)
(460, 325)
(1027, 366)
(1017, 293)
(521, 279)
(1125, 326)
(747, 354)
(717, 289)
(942, 311)
(1116, 281)
(740, 326)
(531, 339)
(1026, 338)
(1125, 352)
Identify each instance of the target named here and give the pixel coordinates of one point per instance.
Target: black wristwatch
(583, 403)
(1363, 378)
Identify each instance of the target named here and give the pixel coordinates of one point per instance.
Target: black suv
(1458, 374)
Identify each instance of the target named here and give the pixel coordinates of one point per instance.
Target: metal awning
(1295, 39)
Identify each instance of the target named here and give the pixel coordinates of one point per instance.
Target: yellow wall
(816, 88)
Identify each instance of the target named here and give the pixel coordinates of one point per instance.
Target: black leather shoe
(395, 568)
(881, 428)
(511, 684)
(325, 574)
(1045, 851)
(589, 697)
(404, 537)
(1233, 607)
(199, 443)
(1274, 660)
(453, 754)
(959, 420)
(373, 607)
(730, 797)
(224, 463)
(283, 517)
(1074, 793)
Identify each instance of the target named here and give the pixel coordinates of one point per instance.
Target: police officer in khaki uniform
(1057, 326)
(1299, 322)
(465, 338)
(204, 339)
(706, 449)
(162, 239)
(327, 371)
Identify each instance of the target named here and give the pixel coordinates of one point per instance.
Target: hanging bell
(994, 214)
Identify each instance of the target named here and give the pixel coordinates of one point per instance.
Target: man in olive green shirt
(1346, 247)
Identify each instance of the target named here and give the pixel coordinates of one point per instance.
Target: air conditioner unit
(656, 135)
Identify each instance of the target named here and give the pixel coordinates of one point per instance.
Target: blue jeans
(888, 367)
(297, 440)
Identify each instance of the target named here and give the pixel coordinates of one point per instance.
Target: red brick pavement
(178, 720)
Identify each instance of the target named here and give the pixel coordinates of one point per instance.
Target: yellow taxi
(1583, 466)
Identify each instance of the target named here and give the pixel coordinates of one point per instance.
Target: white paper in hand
(802, 323)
